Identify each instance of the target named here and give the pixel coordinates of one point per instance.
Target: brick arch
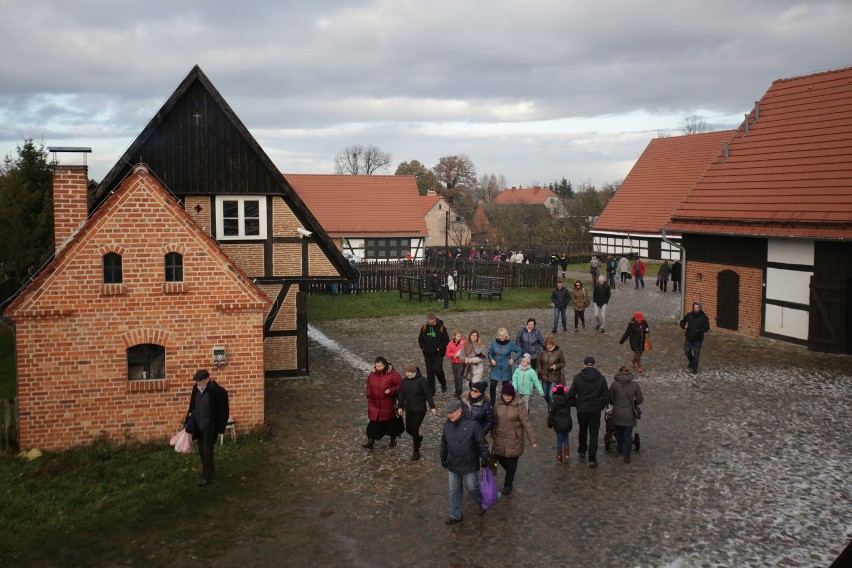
(138, 336)
(106, 249)
(178, 248)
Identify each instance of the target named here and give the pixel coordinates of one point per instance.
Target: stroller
(609, 433)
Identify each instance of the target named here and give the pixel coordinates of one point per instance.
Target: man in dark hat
(590, 395)
(210, 409)
(463, 447)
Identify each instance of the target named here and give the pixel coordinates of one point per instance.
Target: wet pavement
(747, 463)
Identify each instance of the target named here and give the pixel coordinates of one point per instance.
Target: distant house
(370, 217)
(532, 196)
(445, 226)
(201, 151)
(136, 299)
(768, 227)
(662, 176)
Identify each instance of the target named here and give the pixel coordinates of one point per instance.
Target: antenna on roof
(68, 149)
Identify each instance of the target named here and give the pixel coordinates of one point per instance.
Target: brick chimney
(70, 201)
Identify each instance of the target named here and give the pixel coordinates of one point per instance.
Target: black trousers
(511, 466)
(590, 425)
(206, 443)
(413, 420)
(435, 369)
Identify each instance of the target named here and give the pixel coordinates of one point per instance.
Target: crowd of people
(485, 428)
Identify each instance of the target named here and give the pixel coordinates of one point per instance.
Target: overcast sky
(534, 89)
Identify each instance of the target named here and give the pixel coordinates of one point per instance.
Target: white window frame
(241, 199)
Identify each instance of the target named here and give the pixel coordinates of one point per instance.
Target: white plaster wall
(787, 322)
(788, 285)
(791, 251)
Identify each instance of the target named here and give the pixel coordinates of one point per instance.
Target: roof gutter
(682, 269)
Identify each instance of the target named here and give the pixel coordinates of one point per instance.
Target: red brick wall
(72, 338)
(700, 283)
(70, 207)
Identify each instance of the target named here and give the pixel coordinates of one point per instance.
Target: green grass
(90, 500)
(323, 307)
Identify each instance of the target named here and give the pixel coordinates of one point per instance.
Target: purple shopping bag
(488, 488)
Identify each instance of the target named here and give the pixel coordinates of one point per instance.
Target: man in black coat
(676, 274)
(696, 325)
(560, 298)
(463, 448)
(600, 296)
(590, 395)
(210, 410)
(433, 341)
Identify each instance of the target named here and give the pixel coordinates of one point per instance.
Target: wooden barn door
(830, 315)
(728, 300)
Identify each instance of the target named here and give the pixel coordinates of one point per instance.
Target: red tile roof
(362, 206)
(427, 202)
(658, 182)
(528, 196)
(790, 174)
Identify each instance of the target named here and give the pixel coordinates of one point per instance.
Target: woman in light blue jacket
(503, 355)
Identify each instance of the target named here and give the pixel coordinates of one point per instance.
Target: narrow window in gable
(174, 267)
(112, 268)
(146, 361)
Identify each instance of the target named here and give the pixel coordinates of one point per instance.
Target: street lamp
(447, 229)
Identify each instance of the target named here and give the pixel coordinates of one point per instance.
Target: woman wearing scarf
(475, 358)
(511, 422)
(636, 331)
(502, 355)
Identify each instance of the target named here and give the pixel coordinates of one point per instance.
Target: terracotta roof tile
(366, 206)
(790, 174)
(528, 196)
(658, 182)
(427, 202)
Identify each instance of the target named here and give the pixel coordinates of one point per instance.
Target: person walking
(581, 301)
(451, 284)
(210, 408)
(594, 267)
(463, 449)
(560, 298)
(624, 268)
(590, 395)
(600, 298)
(455, 352)
(550, 363)
(381, 392)
(530, 340)
(502, 356)
(525, 379)
(433, 340)
(639, 273)
(624, 392)
(475, 357)
(511, 422)
(663, 276)
(676, 274)
(559, 420)
(563, 263)
(637, 329)
(412, 398)
(476, 406)
(611, 267)
(696, 324)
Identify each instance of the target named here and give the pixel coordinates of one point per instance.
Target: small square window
(146, 361)
(241, 217)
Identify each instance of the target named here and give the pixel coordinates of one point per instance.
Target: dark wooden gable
(196, 145)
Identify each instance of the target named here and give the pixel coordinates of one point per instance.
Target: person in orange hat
(636, 331)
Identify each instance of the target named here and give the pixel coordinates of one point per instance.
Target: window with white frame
(240, 217)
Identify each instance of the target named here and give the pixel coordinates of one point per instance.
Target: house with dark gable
(203, 154)
(136, 298)
(767, 229)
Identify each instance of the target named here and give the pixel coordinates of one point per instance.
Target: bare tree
(488, 187)
(664, 134)
(694, 124)
(361, 160)
(456, 174)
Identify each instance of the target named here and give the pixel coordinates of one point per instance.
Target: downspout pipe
(682, 250)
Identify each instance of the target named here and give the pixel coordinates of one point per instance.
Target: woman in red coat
(382, 385)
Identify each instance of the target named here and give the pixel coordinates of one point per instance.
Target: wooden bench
(413, 286)
(486, 286)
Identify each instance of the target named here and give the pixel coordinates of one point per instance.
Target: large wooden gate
(728, 300)
(830, 315)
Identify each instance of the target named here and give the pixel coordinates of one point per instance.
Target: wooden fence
(381, 276)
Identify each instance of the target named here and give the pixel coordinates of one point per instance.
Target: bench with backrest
(414, 286)
(487, 286)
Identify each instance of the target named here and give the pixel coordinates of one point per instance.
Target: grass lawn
(323, 307)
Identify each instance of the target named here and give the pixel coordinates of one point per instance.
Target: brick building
(446, 227)
(135, 300)
(767, 228)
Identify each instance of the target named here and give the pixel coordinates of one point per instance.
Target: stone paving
(745, 464)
